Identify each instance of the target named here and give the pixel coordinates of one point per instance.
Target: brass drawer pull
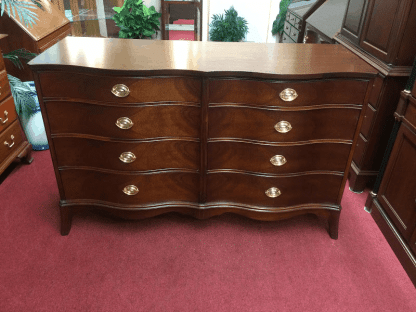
(127, 157)
(131, 190)
(283, 126)
(124, 123)
(288, 94)
(273, 192)
(278, 160)
(120, 90)
(8, 144)
(5, 115)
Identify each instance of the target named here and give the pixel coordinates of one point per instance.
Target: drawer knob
(273, 192)
(10, 145)
(278, 160)
(283, 126)
(5, 115)
(131, 190)
(124, 123)
(288, 94)
(127, 157)
(120, 90)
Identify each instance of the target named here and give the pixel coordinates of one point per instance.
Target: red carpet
(176, 263)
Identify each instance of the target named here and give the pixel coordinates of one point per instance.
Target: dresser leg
(26, 155)
(333, 221)
(66, 219)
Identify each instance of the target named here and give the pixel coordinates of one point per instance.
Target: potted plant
(279, 22)
(24, 93)
(230, 27)
(136, 20)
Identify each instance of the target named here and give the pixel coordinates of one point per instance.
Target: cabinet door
(381, 32)
(397, 192)
(353, 20)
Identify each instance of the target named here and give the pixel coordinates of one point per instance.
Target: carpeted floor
(177, 263)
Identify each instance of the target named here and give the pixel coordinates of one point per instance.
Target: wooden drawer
(98, 88)
(150, 155)
(287, 27)
(108, 187)
(13, 137)
(294, 34)
(4, 86)
(7, 113)
(286, 39)
(257, 157)
(250, 189)
(149, 121)
(259, 124)
(292, 19)
(254, 92)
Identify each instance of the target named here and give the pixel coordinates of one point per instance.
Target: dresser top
(163, 57)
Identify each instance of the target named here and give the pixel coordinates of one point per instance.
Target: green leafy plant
(279, 22)
(230, 27)
(136, 20)
(22, 95)
(24, 102)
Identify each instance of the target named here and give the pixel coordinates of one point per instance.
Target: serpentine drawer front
(140, 127)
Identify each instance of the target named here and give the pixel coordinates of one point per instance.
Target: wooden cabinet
(13, 144)
(393, 205)
(297, 13)
(51, 26)
(383, 33)
(219, 129)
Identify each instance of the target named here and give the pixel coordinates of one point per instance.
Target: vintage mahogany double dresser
(140, 127)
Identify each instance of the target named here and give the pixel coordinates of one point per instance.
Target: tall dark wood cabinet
(393, 201)
(383, 33)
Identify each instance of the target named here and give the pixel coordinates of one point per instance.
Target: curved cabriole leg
(66, 219)
(26, 155)
(333, 221)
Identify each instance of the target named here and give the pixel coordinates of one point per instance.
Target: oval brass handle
(273, 192)
(120, 90)
(288, 94)
(283, 126)
(8, 144)
(127, 157)
(131, 190)
(5, 115)
(278, 160)
(124, 123)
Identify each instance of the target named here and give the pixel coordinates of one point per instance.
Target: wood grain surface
(195, 58)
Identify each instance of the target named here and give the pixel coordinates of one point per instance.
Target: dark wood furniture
(325, 22)
(176, 10)
(51, 27)
(139, 128)
(393, 202)
(383, 33)
(13, 144)
(296, 16)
